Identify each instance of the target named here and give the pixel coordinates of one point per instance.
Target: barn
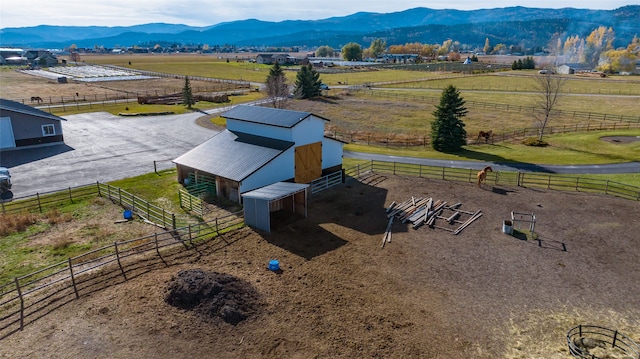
(264, 146)
(22, 125)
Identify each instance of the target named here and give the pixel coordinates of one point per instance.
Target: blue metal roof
(267, 115)
(276, 191)
(8, 105)
(233, 155)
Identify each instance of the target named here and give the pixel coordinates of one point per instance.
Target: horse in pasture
(482, 175)
(485, 135)
(36, 98)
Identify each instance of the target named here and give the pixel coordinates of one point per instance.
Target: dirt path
(427, 294)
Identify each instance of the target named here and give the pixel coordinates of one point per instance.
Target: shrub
(535, 142)
(11, 223)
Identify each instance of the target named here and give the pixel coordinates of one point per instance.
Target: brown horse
(485, 135)
(482, 175)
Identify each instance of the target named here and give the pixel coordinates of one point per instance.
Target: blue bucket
(128, 214)
(274, 265)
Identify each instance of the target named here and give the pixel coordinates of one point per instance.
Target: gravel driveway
(103, 147)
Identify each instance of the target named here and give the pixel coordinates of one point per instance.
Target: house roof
(276, 191)
(233, 155)
(267, 116)
(8, 105)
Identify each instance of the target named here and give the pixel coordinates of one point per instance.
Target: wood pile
(432, 213)
(172, 99)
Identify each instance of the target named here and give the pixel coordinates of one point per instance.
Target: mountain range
(523, 26)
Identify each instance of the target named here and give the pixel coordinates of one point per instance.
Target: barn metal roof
(267, 115)
(233, 155)
(276, 191)
(8, 105)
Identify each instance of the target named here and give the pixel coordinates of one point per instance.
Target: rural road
(103, 147)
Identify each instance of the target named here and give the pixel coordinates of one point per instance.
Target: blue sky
(22, 13)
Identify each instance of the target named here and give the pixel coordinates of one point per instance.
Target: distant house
(22, 125)
(262, 146)
(572, 68)
(41, 57)
(270, 59)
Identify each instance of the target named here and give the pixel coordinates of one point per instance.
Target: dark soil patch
(214, 296)
(620, 139)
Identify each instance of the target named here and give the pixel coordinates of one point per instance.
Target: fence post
(21, 303)
(115, 245)
(98, 185)
(173, 220)
(39, 204)
(70, 197)
(119, 196)
(73, 279)
(217, 229)
(155, 168)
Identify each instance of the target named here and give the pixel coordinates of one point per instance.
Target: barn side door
(308, 162)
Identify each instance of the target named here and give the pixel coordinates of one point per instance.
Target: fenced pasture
(525, 82)
(520, 179)
(31, 296)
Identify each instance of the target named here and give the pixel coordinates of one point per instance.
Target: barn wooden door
(308, 162)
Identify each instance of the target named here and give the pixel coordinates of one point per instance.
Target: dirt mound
(214, 296)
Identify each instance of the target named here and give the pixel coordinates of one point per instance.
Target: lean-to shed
(279, 196)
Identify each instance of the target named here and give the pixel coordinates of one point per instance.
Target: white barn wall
(331, 153)
(311, 130)
(280, 169)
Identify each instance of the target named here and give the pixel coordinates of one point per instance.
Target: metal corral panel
(233, 155)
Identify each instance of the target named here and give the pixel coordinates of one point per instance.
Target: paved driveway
(102, 147)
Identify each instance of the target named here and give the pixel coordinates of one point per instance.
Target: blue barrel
(274, 265)
(128, 214)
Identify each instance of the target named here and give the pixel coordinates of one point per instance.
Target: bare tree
(549, 86)
(277, 87)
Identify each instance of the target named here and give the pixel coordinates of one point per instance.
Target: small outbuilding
(22, 125)
(283, 197)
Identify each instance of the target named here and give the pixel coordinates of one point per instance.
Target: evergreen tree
(307, 83)
(187, 95)
(447, 129)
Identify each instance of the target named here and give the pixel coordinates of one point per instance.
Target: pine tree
(187, 95)
(307, 83)
(447, 129)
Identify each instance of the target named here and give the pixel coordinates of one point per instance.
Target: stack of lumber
(428, 211)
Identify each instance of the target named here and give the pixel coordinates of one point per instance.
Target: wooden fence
(589, 116)
(40, 202)
(32, 296)
(139, 206)
(521, 179)
(395, 140)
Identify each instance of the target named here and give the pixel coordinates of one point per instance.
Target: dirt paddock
(427, 294)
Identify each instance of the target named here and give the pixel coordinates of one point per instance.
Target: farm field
(426, 294)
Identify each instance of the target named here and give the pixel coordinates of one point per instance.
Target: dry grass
(14, 223)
